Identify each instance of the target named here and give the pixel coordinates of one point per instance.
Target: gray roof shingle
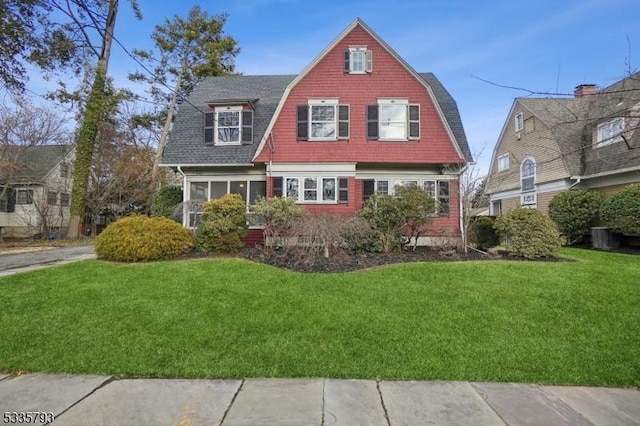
(186, 142)
(35, 162)
(574, 121)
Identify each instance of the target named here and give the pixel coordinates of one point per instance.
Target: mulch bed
(344, 261)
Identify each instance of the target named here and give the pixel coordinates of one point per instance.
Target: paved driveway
(31, 260)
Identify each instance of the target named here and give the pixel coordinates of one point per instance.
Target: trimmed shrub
(279, 214)
(223, 225)
(384, 215)
(417, 208)
(529, 233)
(484, 232)
(621, 212)
(575, 211)
(141, 238)
(165, 202)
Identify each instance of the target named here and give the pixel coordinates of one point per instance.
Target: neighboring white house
(35, 197)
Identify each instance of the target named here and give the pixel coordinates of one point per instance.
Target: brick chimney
(585, 89)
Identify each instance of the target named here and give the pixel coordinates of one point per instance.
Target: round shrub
(223, 225)
(529, 233)
(141, 238)
(621, 212)
(165, 202)
(575, 211)
(484, 233)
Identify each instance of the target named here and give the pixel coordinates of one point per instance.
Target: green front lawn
(562, 323)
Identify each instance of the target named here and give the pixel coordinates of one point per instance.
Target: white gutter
(209, 165)
(184, 196)
(461, 207)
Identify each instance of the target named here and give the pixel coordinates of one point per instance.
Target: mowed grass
(560, 323)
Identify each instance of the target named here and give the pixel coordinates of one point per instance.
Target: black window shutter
(343, 121)
(303, 122)
(414, 121)
(368, 188)
(347, 61)
(343, 190)
(208, 128)
(443, 197)
(277, 187)
(11, 200)
(247, 127)
(372, 122)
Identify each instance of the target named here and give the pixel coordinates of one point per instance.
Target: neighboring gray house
(549, 145)
(35, 188)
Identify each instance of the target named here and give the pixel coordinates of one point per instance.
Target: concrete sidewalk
(104, 400)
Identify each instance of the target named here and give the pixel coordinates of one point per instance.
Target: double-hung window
(230, 125)
(323, 120)
(394, 120)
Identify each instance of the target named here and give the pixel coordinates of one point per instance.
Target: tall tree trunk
(88, 132)
(165, 129)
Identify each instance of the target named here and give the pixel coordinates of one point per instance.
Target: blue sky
(540, 45)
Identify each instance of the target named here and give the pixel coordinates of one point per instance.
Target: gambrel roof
(186, 147)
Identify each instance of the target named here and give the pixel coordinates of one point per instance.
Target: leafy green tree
(166, 200)
(575, 212)
(186, 50)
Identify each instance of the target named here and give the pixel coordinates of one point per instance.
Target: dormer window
(358, 60)
(230, 125)
(609, 132)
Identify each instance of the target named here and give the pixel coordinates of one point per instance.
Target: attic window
(519, 122)
(609, 132)
(358, 60)
(393, 120)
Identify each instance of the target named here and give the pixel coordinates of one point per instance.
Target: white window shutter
(369, 61)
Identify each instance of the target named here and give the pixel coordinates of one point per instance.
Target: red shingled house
(356, 121)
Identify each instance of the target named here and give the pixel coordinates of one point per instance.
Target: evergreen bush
(223, 225)
(484, 232)
(575, 212)
(621, 212)
(141, 238)
(529, 233)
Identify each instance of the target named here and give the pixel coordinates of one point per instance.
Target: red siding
(255, 237)
(389, 79)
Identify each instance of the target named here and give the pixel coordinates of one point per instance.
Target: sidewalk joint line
(100, 386)
(235, 395)
(384, 408)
